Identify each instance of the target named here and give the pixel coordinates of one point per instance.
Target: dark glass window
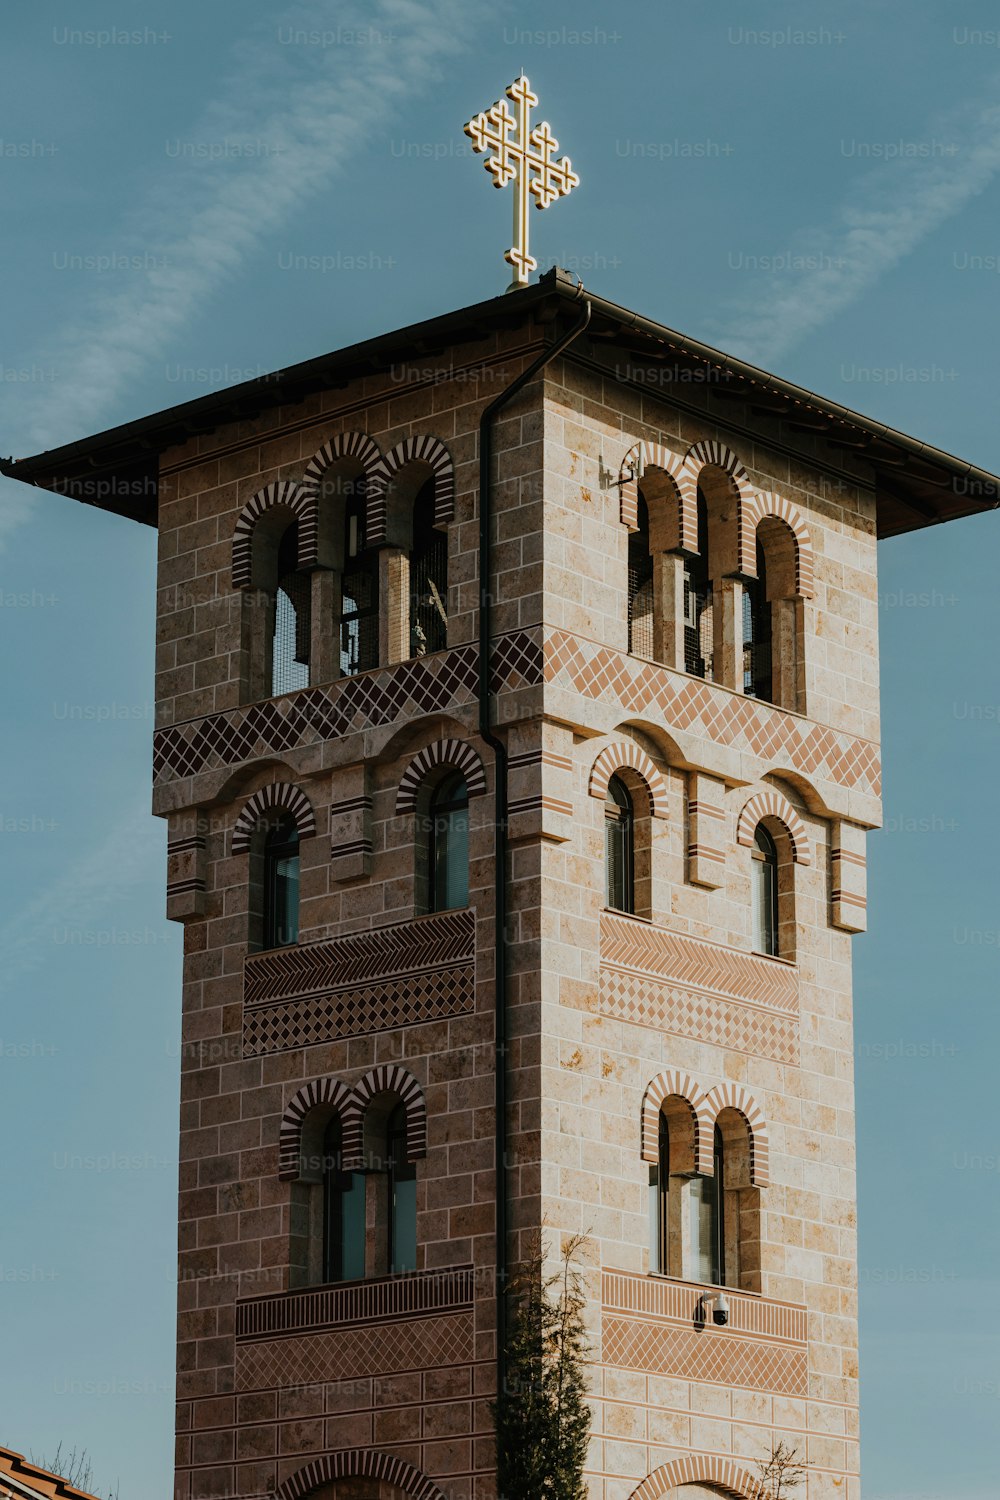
(757, 674)
(343, 1212)
(764, 881)
(428, 578)
(359, 592)
(640, 587)
(448, 862)
(659, 1204)
(292, 619)
(707, 1227)
(619, 855)
(698, 643)
(281, 885)
(402, 1255)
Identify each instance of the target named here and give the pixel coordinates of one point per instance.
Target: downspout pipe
(499, 750)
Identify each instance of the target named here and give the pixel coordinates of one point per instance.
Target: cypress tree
(542, 1417)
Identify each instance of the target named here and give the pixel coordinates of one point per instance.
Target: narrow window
(764, 894)
(292, 619)
(659, 1204)
(359, 592)
(343, 1212)
(402, 1248)
(428, 578)
(640, 587)
(707, 1228)
(698, 612)
(281, 885)
(757, 673)
(448, 854)
(619, 848)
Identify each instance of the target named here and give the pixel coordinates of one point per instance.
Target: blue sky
(812, 186)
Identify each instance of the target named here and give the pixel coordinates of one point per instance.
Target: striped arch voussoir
(319, 1093)
(459, 755)
(295, 500)
(732, 1096)
(390, 1078)
(662, 1087)
(622, 755)
(710, 454)
(773, 805)
(422, 448)
(280, 796)
(698, 1468)
(653, 456)
(357, 1464)
(758, 507)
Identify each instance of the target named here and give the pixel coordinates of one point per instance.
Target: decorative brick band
(696, 963)
(301, 508)
(760, 505)
(351, 1105)
(669, 1299)
(622, 755)
(406, 1344)
(353, 1464)
(422, 449)
(640, 690)
(733, 1096)
(459, 755)
(389, 1078)
(280, 796)
(699, 1468)
(773, 805)
(439, 683)
(654, 1347)
(318, 1094)
(416, 1294)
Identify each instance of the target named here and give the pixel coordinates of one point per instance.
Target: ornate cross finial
(524, 155)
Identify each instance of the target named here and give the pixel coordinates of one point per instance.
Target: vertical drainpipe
(499, 749)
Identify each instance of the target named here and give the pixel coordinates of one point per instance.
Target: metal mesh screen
(358, 624)
(429, 596)
(290, 646)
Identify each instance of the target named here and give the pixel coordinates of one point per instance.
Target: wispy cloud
(292, 115)
(95, 884)
(891, 210)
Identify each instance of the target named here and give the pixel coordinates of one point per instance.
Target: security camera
(719, 1304)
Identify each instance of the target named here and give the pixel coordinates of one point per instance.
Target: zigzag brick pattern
(726, 718)
(421, 1293)
(425, 685)
(381, 1349)
(356, 1463)
(698, 964)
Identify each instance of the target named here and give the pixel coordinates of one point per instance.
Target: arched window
(757, 634)
(428, 578)
(708, 1230)
(659, 1203)
(343, 1212)
(281, 885)
(619, 847)
(640, 587)
(698, 612)
(448, 844)
(292, 619)
(359, 591)
(764, 892)
(401, 1252)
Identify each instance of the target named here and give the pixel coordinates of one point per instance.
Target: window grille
(640, 587)
(758, 675)
(429, 595)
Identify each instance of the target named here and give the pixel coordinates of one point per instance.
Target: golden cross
(518, 151)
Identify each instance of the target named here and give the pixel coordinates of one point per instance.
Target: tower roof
(915, 484)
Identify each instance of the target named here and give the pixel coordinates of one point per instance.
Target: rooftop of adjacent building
(915, 484)
(20, 1479)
